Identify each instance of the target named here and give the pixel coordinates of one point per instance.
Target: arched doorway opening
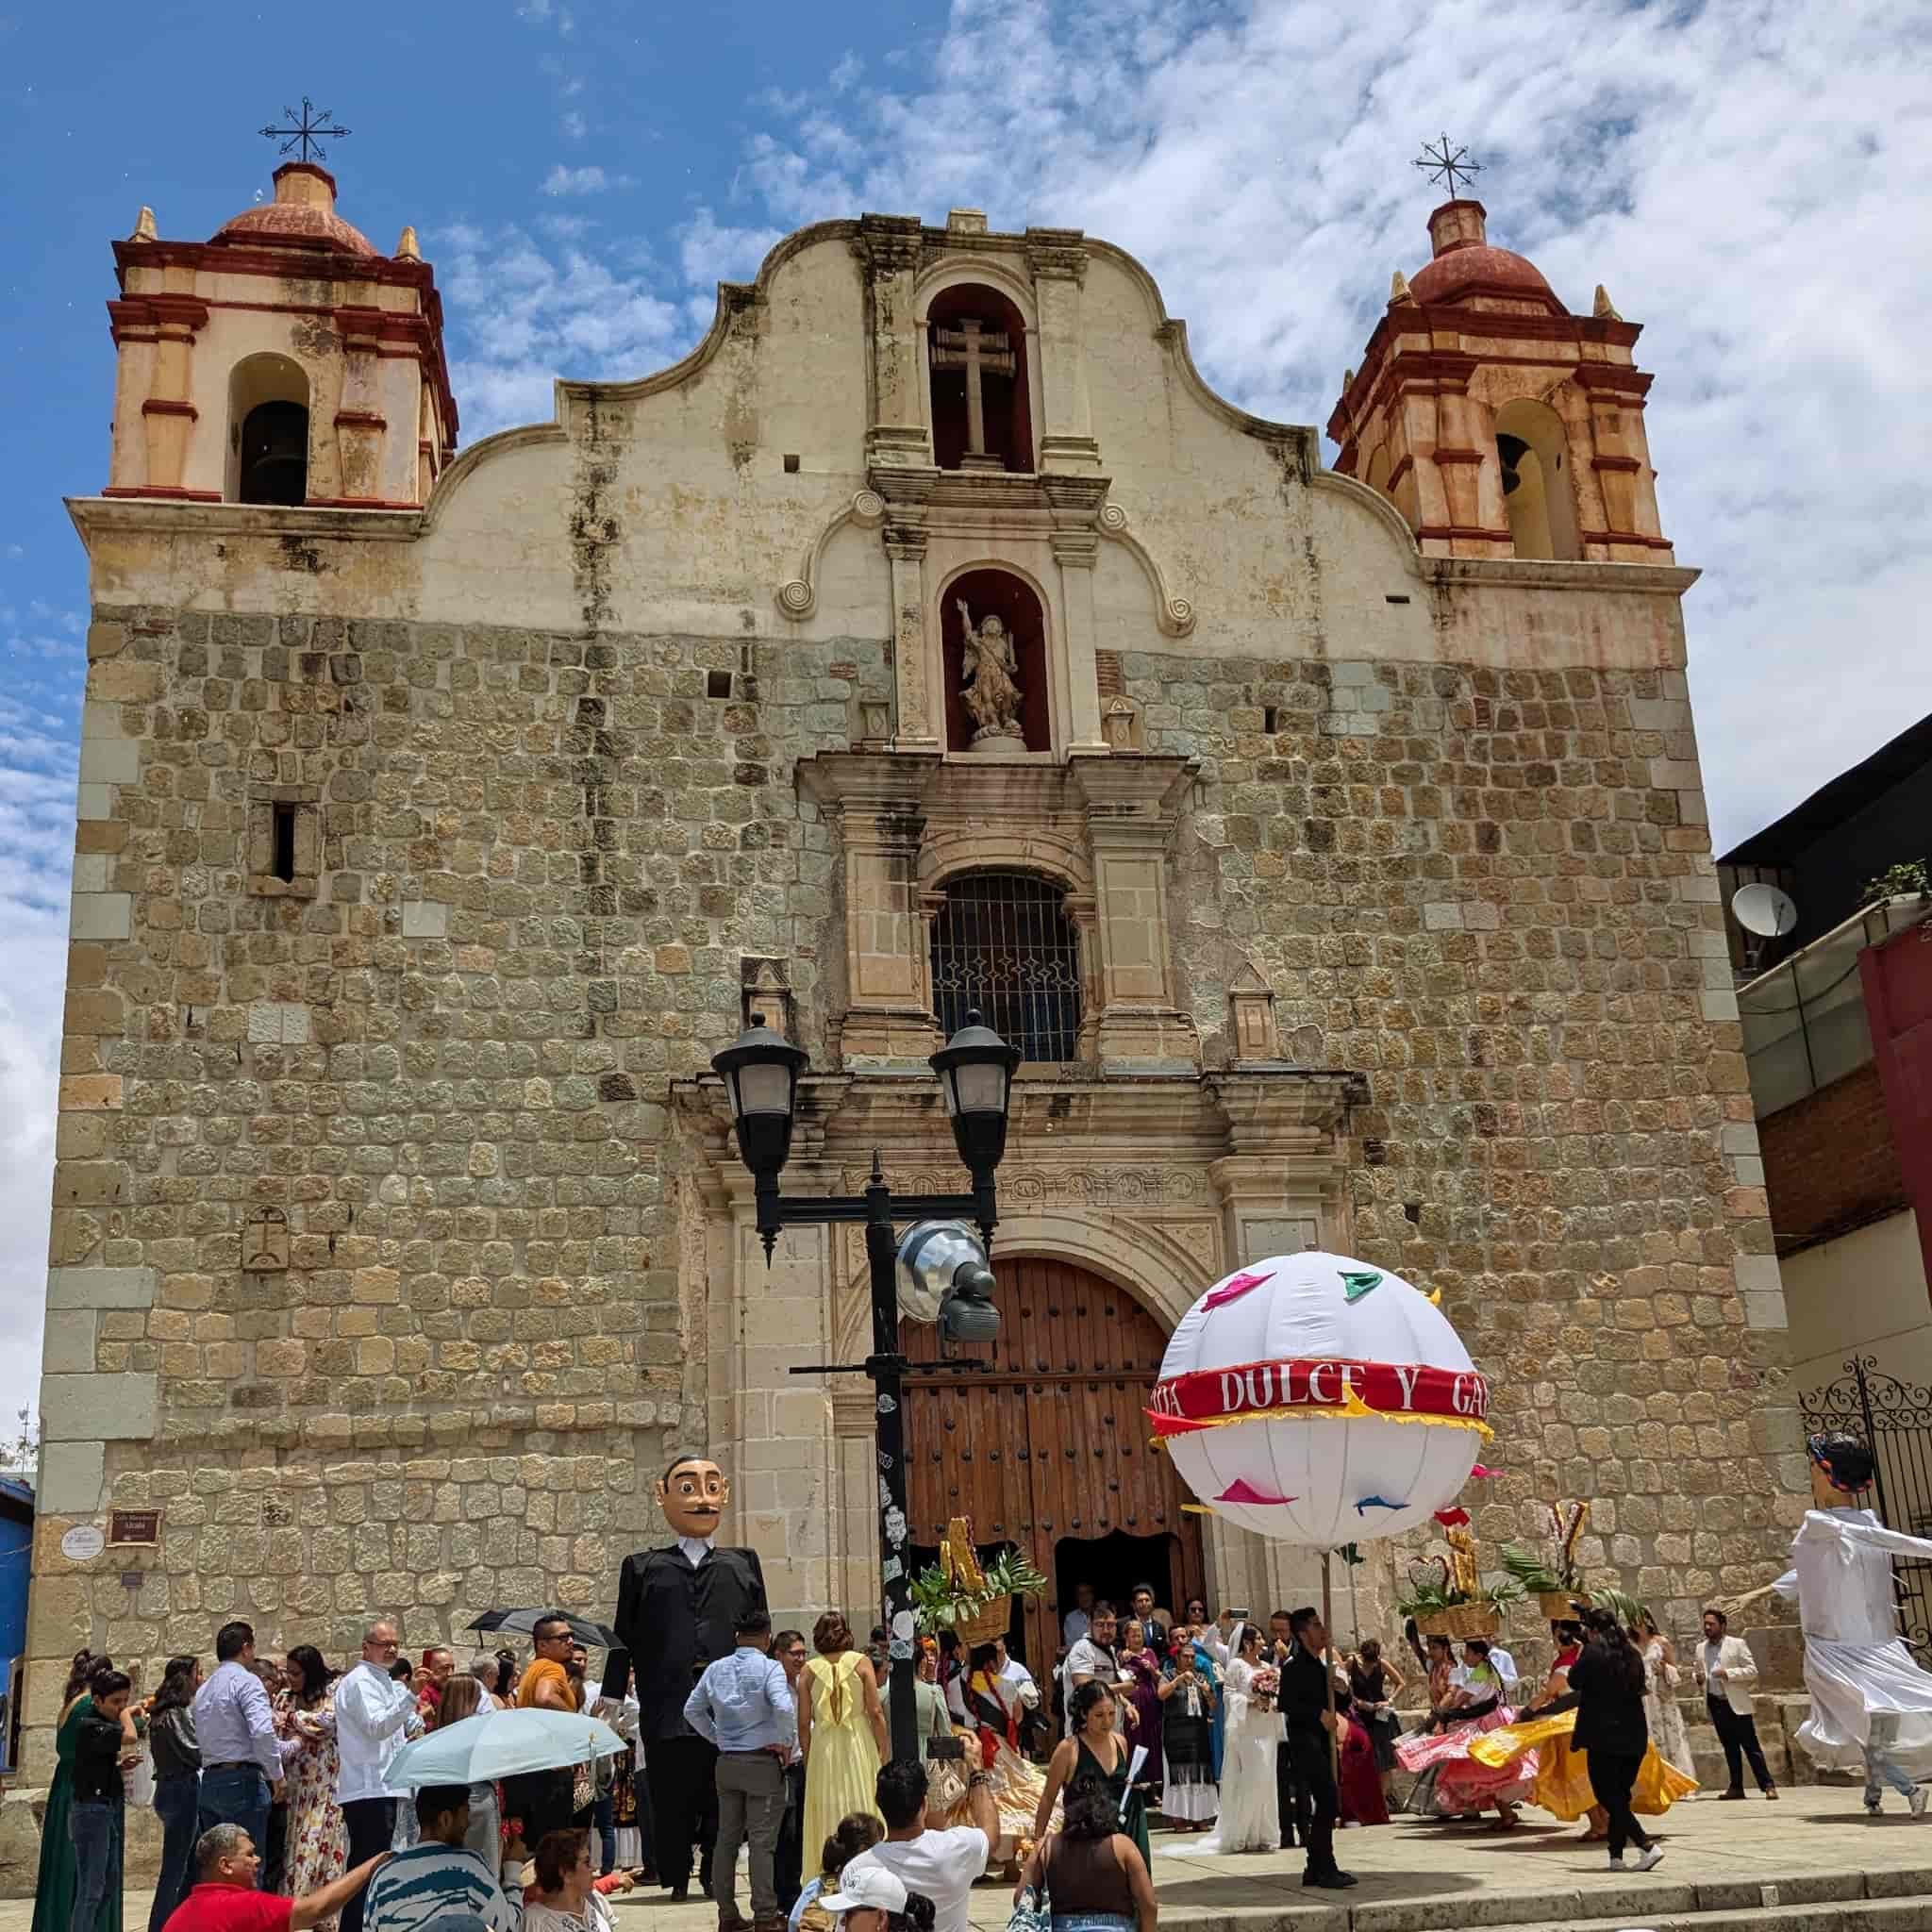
(1041, 1441)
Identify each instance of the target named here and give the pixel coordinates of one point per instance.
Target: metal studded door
(1042, 1436)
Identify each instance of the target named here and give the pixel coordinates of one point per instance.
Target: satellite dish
(1765, 910)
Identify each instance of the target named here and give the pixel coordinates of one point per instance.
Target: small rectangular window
(717, 684)
(790, 465)
(1271, 719)
(283, 862)
(1392, 597)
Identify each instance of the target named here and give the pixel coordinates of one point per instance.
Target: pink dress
(318, 1838)
(1460, 1783)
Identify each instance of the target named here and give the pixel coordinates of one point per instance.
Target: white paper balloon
(1339, 1403)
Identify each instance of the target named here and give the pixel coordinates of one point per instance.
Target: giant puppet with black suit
(680, 1609)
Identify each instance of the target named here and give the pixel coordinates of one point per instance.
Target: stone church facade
(1341, 865)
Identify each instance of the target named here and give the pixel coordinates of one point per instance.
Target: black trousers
(1738, 1734)
(1290, 1797)
(1611, 1776)
(683, 1777)
(371, 1826)
(787, 1859)
(1314, 1771)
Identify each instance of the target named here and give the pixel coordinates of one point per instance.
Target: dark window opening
(717, 684)
(1003, 944)
(282, 861)
(791, 466)
(1392, 597)
(976, 345)
(274, 455)
(1271, 719)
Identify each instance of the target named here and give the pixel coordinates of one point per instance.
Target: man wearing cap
(940, 1864)
(867, 1897)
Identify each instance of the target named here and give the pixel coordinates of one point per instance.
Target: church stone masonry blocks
(426, 854)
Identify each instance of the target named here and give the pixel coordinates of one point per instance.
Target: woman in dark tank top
(1092, 1874)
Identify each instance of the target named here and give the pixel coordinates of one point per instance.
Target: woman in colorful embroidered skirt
(1463, 1785)
(1191, 1793)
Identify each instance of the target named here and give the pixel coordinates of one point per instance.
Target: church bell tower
(1497, 422)
(284, 361)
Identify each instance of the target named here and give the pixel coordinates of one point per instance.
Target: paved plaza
(1813, 1862)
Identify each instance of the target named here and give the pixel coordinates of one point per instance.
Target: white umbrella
(503, 1743)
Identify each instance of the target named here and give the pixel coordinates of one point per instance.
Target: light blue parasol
(502, 1743)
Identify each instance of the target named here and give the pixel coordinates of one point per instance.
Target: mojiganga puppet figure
(678, 1609)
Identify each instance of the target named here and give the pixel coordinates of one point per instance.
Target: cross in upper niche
(979, 353)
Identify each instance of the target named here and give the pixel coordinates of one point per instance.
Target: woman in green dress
(1097, 1750)
(55, 1887)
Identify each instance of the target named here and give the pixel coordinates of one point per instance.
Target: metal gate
(1896, 1417)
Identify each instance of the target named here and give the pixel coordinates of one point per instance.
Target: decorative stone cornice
(888, 245)
(1057, 254)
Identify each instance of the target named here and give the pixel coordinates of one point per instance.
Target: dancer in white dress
(1660, 1706)
(1871, 1703)
(1250, 1820)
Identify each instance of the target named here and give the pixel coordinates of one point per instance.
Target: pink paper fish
(1480, 1470)
(1234, 1290)
(1243, 1491)
(1453, 1519)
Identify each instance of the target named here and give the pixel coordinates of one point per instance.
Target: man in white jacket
(1729, 1674)
(374, 1714)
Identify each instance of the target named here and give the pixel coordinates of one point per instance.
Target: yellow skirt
(1562, 1785)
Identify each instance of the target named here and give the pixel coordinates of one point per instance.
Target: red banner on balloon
(1208, 1397)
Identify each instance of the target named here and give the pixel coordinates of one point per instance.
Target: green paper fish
(1353, 1286)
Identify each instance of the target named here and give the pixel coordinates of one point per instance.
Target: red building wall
(1830, 1161)
(1898, 1001)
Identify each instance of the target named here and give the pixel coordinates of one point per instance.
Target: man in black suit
(1309, 1725)
(678, 1610)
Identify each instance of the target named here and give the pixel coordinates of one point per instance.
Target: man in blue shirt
(240, 1758)
(743, 1708)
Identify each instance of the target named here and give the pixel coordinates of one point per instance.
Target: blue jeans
(604, 1815)
(96, 1831)
(1880, 1765)
(236, 1794)
(177, 1804)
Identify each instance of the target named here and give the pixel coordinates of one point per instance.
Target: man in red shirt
(225, 1898)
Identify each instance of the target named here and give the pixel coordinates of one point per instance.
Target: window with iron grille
(1003, 942)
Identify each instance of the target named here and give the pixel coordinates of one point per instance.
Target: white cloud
(574, 126)
(590, 180)
(1750, 181)
(845, 75)
(710, 253)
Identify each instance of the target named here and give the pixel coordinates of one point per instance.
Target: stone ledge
(101, 1288)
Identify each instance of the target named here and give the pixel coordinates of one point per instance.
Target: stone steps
(1895, 1901)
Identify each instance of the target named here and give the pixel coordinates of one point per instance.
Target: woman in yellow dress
(841, 1731)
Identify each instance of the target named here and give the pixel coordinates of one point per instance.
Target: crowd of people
(270, 1777)
(1241, 1737)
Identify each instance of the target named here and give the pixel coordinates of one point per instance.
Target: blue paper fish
(1353, 1286)
(1369, 1503)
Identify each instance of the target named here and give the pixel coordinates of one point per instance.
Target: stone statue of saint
(990, 686)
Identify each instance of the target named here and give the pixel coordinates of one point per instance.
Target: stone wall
(1492, 892)
(364, 1264)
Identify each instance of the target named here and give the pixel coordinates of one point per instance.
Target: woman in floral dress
(318, 1838)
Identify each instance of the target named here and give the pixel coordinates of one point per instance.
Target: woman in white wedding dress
(1250, 1819)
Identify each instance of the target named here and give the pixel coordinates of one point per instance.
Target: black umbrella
(524, 1623)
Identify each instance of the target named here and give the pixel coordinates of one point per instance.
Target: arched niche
(992, 592)
(1539, 491)
(975, 337)
(268, 431)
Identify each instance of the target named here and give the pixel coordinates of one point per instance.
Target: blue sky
(1750, 181)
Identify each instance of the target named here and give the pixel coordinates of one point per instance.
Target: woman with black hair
(103, 1749)
(318, 1836)
(1096, 1749)
(177, 1783)
(1607, 1684)
(1090, 1872)
(1250, 1807)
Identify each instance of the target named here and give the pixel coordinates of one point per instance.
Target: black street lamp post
(975, 1068)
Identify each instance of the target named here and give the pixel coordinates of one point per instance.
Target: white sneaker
(1651, 1859)
(1617, 1864)
(1917, 1801)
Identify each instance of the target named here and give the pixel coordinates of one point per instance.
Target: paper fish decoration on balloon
(1369, 1503)
(1243, 1491)
(1234, 1290)
(1353, 1286)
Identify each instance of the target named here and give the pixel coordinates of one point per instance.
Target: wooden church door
(1042, 1443)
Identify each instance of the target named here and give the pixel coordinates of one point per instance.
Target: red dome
(1449, 274)
(303, 214)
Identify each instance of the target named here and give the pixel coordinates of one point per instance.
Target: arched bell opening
(268, 432)
(1539, 491)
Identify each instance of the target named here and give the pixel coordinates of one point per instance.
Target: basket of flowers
(1448, 1597)
(1551, 1574)
(975, 1603)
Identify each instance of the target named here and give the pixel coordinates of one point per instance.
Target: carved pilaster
(888, 246)
(1076, 503)
(1058, 260)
